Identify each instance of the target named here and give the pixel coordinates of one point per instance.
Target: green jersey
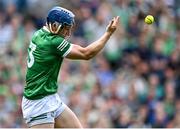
(45, 55)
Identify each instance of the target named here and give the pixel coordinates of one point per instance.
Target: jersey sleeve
(62, 47)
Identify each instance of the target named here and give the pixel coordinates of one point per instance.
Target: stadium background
(133, 82)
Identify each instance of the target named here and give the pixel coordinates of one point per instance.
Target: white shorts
(43, 110)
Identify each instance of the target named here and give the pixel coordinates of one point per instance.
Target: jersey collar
(46, 29)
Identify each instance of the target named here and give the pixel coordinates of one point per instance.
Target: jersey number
(30, 60)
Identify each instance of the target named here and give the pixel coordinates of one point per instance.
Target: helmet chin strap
(57, 30)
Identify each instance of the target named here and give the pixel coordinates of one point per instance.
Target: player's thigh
(47, 125)
(67, 119)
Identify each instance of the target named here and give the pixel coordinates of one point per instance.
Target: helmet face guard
(61, 15)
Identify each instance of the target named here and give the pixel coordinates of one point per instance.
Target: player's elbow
(88, 57)
(88, 54)
(79, 52)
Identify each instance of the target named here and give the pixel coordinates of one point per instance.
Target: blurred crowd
(133, 82)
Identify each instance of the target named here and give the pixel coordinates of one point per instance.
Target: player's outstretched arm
(86, 53)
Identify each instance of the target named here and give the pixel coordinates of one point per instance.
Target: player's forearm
(97, 46)
(78, 52)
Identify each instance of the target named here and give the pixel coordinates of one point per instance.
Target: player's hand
(112, 25)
